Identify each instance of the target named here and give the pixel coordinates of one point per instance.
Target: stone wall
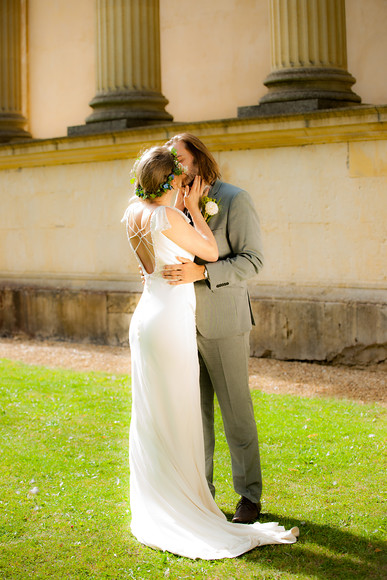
(319, 184)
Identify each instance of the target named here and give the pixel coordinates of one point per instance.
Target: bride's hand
(192, 195)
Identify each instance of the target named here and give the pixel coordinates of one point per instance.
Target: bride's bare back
(140, 236)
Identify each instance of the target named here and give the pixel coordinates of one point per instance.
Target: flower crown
(178, 169)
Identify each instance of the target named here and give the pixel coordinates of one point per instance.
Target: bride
(171, 504)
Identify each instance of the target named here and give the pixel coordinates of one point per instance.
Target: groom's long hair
(207, 167)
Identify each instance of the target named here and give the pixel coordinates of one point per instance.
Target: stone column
(12, 53)
(309, 59)
(128, 67)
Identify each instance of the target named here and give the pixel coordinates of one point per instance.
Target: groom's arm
(183, 273)
(245, 259)
(244, 235)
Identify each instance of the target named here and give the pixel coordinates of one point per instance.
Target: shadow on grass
(322, 551)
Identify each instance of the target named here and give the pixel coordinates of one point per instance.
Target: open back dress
(171, 505)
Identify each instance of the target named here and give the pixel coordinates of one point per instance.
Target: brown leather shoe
(246, 512)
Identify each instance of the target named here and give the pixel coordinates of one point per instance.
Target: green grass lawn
(66, 433)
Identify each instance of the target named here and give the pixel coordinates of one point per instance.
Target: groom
(224, 320)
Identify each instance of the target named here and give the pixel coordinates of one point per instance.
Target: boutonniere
(209, 207)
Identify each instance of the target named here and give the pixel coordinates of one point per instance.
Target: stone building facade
(289, 95)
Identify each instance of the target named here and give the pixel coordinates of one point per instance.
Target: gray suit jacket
(222, 302)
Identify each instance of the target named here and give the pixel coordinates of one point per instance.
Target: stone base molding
(332, 331)
(12, 128)
(309, 59)
(301, 90)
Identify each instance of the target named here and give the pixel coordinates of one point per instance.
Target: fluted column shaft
(128, 64)
(308, 33)
(309, 54)
(12, 120)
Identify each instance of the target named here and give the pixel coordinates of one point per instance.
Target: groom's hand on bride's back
(183, 273)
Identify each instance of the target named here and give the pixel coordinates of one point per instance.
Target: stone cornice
(361, 123)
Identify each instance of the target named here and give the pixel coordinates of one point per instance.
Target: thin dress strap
(140, 234)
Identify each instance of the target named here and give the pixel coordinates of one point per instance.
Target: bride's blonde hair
(154, 171)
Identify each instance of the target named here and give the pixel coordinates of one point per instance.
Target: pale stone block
(125, 302)
(368, 159)
(75, 251)
(287, 330)
(112, 252)
(84, 316)
(8, 312)
(13, 207)
(278, 264)
(49, 209)
(56, 250)
(313, 253)
(16, 250)
(78, 316)
(102, 199)
(118, 329)
(283, 181)
(341, 332)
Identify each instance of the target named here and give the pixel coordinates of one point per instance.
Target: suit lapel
(214, 193)
(214, 189)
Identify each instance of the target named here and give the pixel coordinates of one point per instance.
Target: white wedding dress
(172, 507)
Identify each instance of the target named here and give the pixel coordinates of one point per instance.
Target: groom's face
(187, 159)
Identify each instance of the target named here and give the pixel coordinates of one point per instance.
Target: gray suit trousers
(224, 371)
